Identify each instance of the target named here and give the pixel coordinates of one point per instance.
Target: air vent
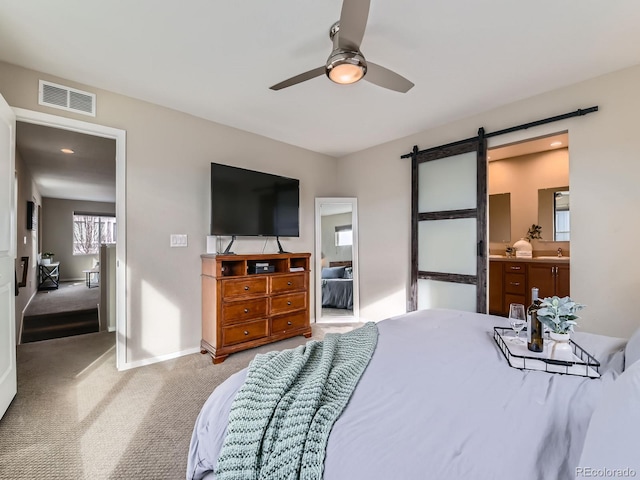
(67, 98)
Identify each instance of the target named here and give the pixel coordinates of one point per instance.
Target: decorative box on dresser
(245, 304)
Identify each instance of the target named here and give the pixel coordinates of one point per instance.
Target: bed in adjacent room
(337, 285)
(438, 400)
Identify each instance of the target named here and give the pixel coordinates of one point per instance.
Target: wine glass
(517, 319)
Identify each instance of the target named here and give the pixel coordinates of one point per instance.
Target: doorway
(119, 136)
(528, 192)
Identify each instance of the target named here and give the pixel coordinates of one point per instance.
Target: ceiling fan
(346, 64)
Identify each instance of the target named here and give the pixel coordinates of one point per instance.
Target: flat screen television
(250, 203)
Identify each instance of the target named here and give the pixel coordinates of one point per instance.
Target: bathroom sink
(551, 257)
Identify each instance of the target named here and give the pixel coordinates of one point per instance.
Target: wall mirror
(554, 213)
(336, 260)
(500, 218)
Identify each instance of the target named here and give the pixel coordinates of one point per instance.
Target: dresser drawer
(514, 267)
(514, 283)
(288, 303)
(288, 322)
(243, 310)
(245, 332)
(288, 283)
(510, 298)
(244, 286)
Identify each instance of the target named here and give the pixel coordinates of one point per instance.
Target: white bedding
(438, 401)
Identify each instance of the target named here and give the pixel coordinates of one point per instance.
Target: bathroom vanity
(511, 280)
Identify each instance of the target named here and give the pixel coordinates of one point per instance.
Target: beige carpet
(77, 417)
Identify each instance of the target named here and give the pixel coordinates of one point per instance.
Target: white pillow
(632, 350)
(611, 445)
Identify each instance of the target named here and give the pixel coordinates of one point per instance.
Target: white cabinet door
(8, 378)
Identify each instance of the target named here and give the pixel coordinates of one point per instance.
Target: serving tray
(580, 362)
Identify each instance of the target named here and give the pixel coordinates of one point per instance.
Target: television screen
(249, 203)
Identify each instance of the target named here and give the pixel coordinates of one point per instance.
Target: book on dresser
(251, 300)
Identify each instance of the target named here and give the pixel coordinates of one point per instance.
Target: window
(344, 236)
(92, 230)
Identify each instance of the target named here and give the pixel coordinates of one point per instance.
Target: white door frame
(54, 121)
(8, 240)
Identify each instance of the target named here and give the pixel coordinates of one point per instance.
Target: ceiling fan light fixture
(345, 67)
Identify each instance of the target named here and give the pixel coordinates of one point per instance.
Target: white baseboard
(161, 358)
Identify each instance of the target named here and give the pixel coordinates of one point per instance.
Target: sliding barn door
(449, 227)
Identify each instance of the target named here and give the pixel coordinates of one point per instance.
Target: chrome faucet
(559, 252)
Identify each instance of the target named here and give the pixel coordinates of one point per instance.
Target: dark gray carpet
(71, 309)
(68, 297)
(77, 417)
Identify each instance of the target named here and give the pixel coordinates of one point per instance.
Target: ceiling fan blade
(353, 21)
(383, 77)
(303, 77)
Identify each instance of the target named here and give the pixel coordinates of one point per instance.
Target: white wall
(604, 170)
(167, 191)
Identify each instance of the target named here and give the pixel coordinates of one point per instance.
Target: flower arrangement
(534, 232)
(48, 255)
(559, 314)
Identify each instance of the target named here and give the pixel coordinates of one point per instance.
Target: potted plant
(534, 232)
(559, 316)
(47, 258)
(523, 246)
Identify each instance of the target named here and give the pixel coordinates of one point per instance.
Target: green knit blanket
(281, 418)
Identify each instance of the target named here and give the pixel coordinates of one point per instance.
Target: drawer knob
(246, 310)
(288, 303)
(289, 283)
(246, 332)
(515, 268)
(289, 323)
(246, 287)
(515, 283)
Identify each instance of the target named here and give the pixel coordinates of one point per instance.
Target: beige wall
(26, 239)
(604, 168)
(167, 191)
(57, 233)
(523, 176)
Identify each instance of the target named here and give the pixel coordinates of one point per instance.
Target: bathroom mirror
(500, 218)
(554, 214)
(336, 260)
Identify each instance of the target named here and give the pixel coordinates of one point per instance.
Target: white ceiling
(535, 145)
(87, 174)
(216, 60)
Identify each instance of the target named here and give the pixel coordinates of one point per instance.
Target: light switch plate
(178, 240)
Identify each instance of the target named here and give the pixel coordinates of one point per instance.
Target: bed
(437, 400)
(337, 285)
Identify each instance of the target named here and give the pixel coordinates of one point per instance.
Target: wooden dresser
(243, 309)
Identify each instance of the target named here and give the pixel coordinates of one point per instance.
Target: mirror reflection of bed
(336, 260)
(337, 289)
